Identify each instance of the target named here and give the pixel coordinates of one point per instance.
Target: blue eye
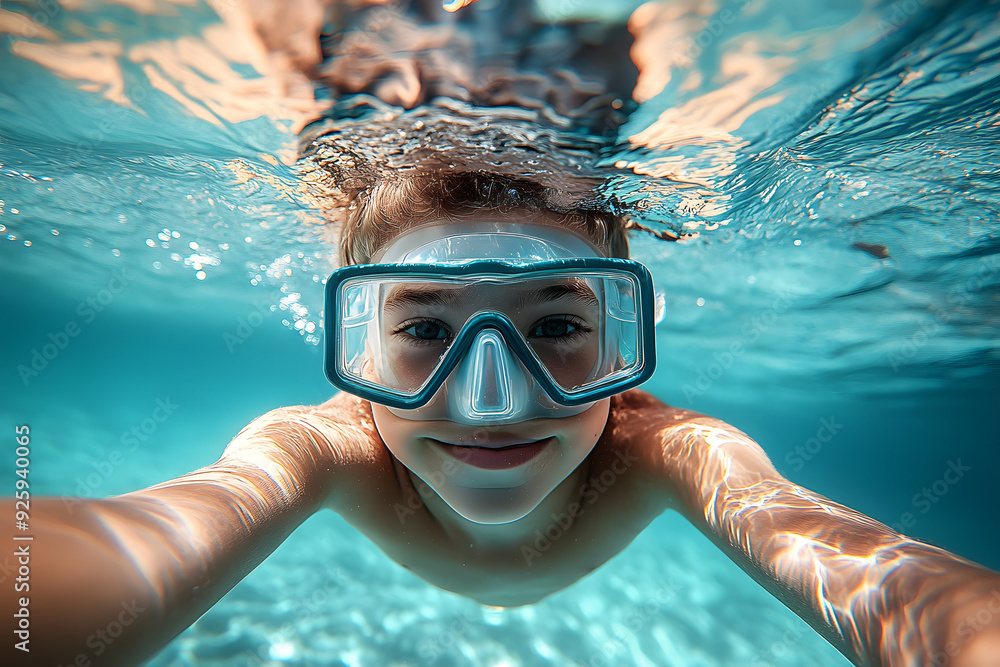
(424, 330)
(558, 327)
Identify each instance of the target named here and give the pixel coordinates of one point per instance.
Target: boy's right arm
(112, 581)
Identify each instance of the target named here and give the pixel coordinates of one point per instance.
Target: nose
(490, 385)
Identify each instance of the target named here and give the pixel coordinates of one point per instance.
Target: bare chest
(557, 551)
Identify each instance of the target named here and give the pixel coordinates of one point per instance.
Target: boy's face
(493, 471)
(463, 465)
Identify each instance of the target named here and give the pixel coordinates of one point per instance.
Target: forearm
(114, 580)
(879, 597)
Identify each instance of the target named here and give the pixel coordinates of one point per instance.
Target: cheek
(571, 366)
(584, 429)
(411, 366)
(398, 434)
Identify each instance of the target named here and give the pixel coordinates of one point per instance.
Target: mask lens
(357, 310)
(575, 329)
(417, 325)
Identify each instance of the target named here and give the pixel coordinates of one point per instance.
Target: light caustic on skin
(843, 572)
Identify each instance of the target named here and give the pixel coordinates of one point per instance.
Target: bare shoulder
(678, 449)
(334, 445)
(342, 427)
(349, 418)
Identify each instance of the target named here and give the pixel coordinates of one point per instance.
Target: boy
(519, 428)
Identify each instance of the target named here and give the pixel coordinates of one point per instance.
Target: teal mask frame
(393, 398)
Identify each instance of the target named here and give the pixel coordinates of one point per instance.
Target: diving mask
(489, 322)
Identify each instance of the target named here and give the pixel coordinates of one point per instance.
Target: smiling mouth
(495, 458)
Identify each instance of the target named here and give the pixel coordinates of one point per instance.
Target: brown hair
(380, 212)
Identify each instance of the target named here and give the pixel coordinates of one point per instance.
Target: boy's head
(383, 210)
(488, 470)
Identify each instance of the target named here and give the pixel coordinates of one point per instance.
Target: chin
(493, 506)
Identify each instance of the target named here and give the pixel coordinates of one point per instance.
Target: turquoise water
(157, 276)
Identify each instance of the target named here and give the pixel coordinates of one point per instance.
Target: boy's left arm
(879, 597)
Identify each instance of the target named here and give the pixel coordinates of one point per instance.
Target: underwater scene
(813, 185)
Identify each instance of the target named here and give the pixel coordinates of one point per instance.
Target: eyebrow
(401, 297)
(575, 290)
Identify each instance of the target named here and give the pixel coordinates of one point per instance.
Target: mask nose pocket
(490, 384)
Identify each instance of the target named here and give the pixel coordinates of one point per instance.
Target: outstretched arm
(112, 581)
(876, 595)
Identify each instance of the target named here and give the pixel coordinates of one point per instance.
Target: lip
(502, 454)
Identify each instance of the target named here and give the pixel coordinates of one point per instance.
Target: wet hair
(380, 212)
